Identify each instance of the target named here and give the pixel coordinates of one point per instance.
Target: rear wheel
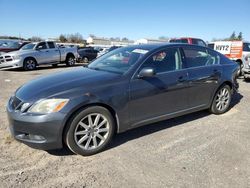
(222, 100)
(29, 64)
(70, 60)
(90, 131)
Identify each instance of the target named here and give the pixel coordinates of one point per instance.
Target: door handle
(47, 51)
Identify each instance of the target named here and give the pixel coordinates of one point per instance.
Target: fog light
(36, 137)
(30, 137)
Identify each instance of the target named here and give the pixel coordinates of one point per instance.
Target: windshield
(28, 46)
(119, 60)
(9, 44)
(246, 47)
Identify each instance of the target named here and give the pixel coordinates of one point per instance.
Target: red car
(187, 40)
(7, 45)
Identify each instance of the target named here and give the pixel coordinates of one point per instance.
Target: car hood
(20, 52)
(63, 83)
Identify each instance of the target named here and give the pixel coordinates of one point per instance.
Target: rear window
(185, 41)
(246, 47)
(211, 46)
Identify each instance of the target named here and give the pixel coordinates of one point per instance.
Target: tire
(240, 73)
(85, 138)
(29, 64)
(70, 60)
(85, 60)
(222, 100)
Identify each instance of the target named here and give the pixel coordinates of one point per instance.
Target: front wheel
(222, 100)
(29, 64)
(90, 131)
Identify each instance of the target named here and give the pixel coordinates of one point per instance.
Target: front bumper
(35, 130)
(246, 72)
(11, 64)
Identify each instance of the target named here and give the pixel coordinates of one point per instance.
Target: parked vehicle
(87, 54)
(7, 45)
(83, 108)
(237, 51)
(186, 40)
(102, 51)
(113, 48)
(33, 54)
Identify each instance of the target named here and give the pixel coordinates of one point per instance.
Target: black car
(126, 88)
(87, 54)
(113, 48)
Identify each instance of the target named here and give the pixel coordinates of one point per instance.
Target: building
(149, 41)
(100, 41)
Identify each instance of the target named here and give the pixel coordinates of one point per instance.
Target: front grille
(4, 59)
(15, 103)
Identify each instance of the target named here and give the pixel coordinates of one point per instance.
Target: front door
(162, 94)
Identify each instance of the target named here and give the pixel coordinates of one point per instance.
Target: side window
(51, 44)
(165, 60)
(214, 58)
(199, 57)
(41, 46)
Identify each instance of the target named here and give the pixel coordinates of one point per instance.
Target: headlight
(16, 57)
(48, 106)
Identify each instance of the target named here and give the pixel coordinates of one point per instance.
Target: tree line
(78, 38)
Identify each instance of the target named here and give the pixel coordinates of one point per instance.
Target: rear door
(162, 94)
(53, 52)
(204, 71)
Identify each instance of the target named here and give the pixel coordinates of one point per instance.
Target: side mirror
(146, 72)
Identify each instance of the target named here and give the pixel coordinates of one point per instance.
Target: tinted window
(165, 60)
(211, 45)
(198, 42)
(199, 57)
(41, 45)
(246, 47)
(51, 44)
(179, 41)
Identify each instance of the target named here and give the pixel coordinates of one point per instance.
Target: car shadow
(139, 132)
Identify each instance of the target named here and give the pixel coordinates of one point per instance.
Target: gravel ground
(196, 150)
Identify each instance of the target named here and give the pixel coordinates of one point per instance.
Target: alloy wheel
(222, 99)
(71, 61)
(91, 131)
(30, 64)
